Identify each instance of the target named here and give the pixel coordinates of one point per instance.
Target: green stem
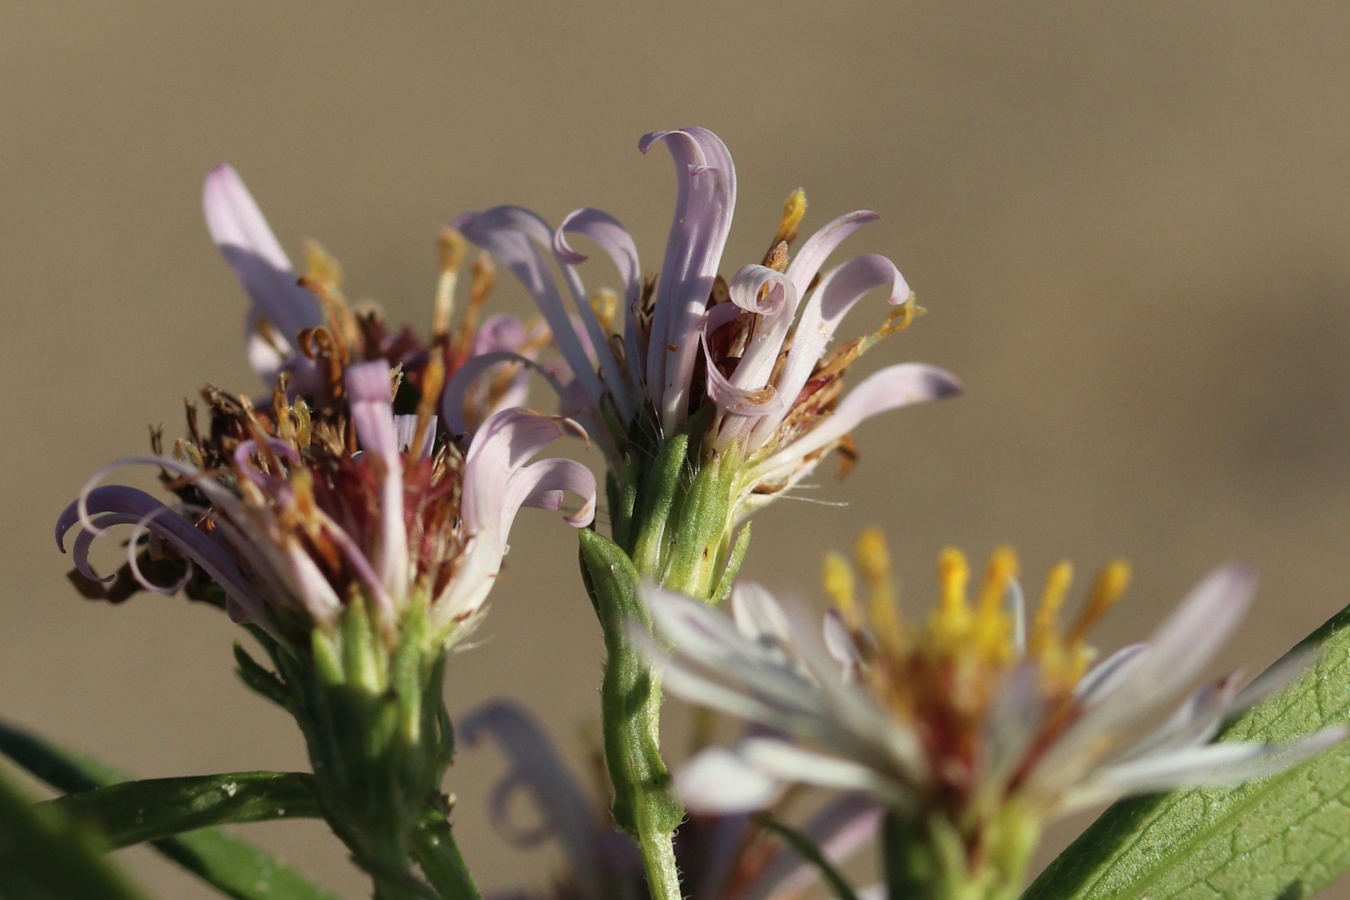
(630, 697)
(436, 852)
(658, 858)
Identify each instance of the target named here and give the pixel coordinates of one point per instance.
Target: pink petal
(706, 199)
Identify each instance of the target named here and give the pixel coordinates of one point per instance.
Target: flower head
(745, 358)
(975, 715)
(304, 327)
(293, 511)
(723, 856)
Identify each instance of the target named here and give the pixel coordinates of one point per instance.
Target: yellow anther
(452, 247)
(433, 377)
(794, 209)
(1106, 592)
(776, 259)
(321, 267)
(838, 577)
(605, 303)
(1000, 573)
(1044, 630)
(993, 625)
(303, 423)
(952, 620)
(874, 559)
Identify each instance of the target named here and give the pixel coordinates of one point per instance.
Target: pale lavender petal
(453, 398)
(497, 481)
(761, 290)
(1102, 678)
(405, 429)
(252, 251)
(118, 505)
(536, 768)
(543, 485)
(1015, 603)
(510, 233)
(1193, 723)
(817, 248)
(369, 395)
(615, 240)
(685, 681)
(790, 762)
(706, 199)
(1207, 766)
(719, 781)
(840, 645)
(758, 616)
(831, 301)
(1180, 648)
(741, 401)
(887, 389)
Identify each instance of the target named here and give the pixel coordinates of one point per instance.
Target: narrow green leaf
(258, 679)
(43, 855)
(808, 851)
(231, 865)
(133, 812)
(1285, 836)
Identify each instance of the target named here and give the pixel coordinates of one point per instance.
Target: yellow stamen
(605, 303)
(1043, 630)
(952, 620)
(776, 259)
(1106, 592)
(433, 377)
(838, 577)
(794, 209)
(993, 625)
(883, 609)
(483, 277)
(452, 248)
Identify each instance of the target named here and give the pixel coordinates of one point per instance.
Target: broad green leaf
(133, 812)
(43, 854)
(1284, 837)
(231, 865)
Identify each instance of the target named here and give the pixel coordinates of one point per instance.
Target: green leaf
(231, 865)
(1286, 836)
(808, 851)
(133, 812)
(43, 854)
(258, 679)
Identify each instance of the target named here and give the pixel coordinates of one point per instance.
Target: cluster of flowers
(365, 503)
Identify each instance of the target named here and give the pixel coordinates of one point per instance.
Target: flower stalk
(376, 791)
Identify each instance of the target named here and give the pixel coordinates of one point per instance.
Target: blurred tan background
(1130, 223)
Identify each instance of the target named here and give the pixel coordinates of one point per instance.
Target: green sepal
(732, 567)
(656, 498)
(44, 854)
(702, 524)
(133, 812)
(231, 865)
(259, 679)
(630, 696)
(1284, 836)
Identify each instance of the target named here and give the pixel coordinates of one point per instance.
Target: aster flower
(291, 513)
(739, 368)
(722, 856)
(305, 328)
(358, 547)
(976, 727)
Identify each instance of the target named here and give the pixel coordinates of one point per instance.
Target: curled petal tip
(944, 384)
